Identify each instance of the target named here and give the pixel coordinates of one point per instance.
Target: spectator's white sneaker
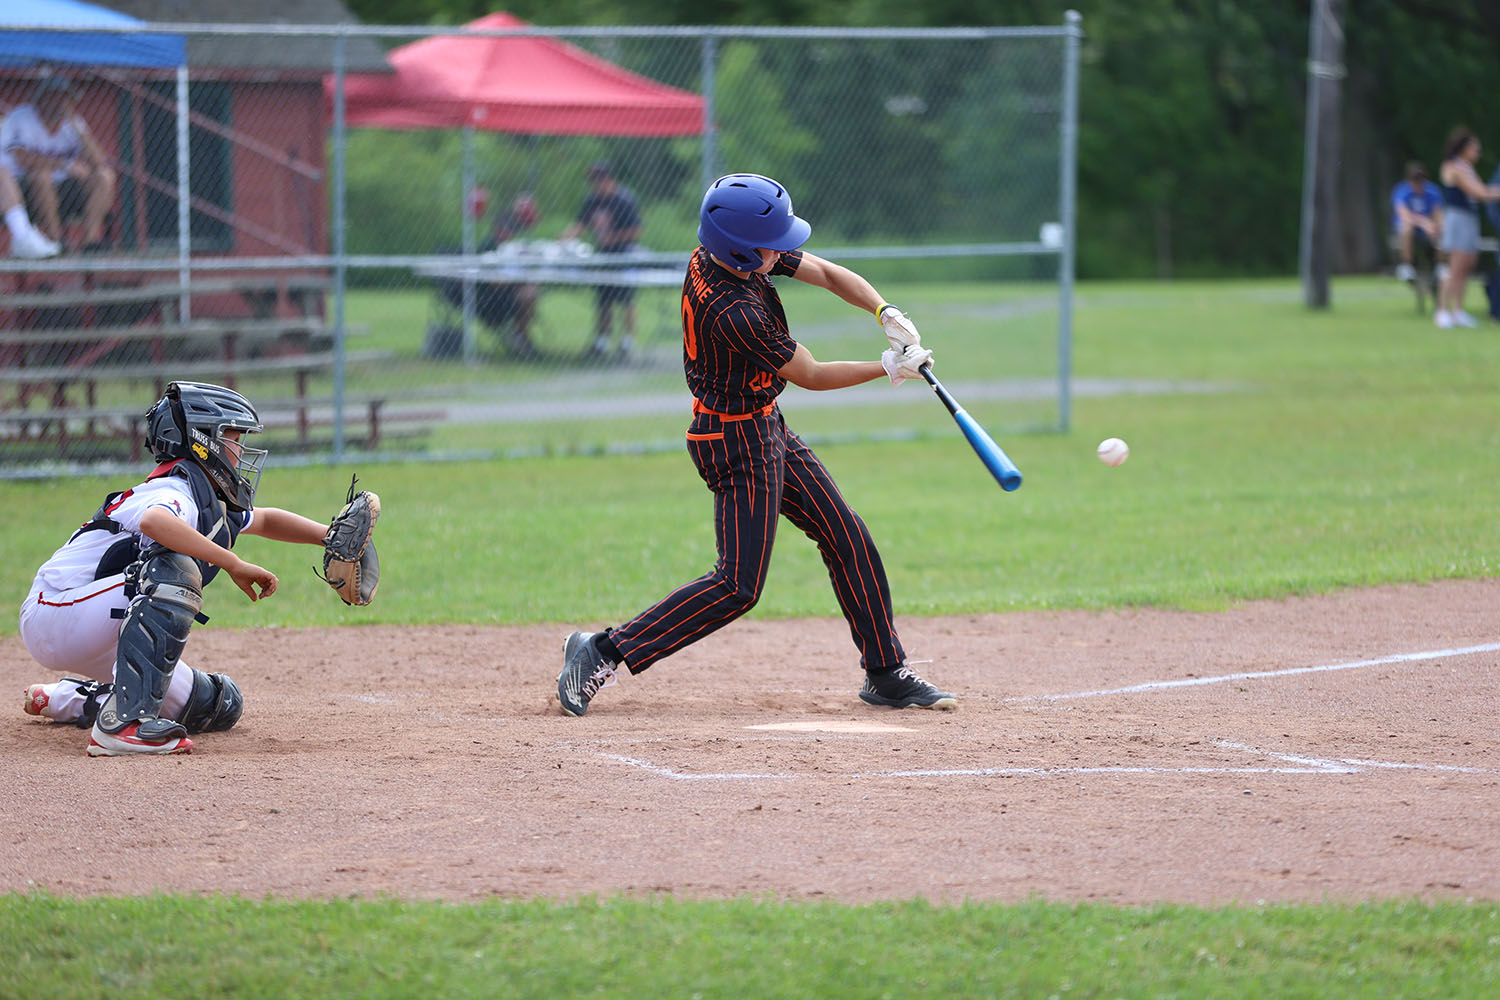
(1405, 272)
(31, 244)
(1443, 319)
(1462, 318)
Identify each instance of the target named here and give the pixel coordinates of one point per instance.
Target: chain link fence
(437, 243)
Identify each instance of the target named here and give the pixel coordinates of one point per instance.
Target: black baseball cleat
(584, 672)
(903, 688)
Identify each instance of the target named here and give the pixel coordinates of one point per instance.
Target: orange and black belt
(698, 408)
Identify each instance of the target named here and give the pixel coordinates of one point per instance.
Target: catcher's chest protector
(214, 521)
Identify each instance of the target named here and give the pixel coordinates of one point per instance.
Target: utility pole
(1320, 154)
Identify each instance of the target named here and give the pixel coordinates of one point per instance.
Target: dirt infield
(1118, 756)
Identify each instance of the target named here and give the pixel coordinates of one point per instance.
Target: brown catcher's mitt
(350, 565)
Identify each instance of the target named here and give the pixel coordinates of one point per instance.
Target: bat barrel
(991, 454)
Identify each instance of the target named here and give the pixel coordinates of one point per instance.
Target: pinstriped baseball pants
(758, 470)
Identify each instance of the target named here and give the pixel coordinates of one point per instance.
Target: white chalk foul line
(667, 772)
(1420, 767)
(1353, 765)
(1294, 764)
(1314, 763)
(966, 772)
(1435, 654)
(985, 772)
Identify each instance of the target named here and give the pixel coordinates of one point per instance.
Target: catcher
(113, 607)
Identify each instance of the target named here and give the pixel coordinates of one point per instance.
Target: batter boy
(738, 355)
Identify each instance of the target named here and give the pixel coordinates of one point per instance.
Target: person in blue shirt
(1416, 214)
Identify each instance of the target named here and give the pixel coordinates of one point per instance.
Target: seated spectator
(510, 225)
(25, 239)
(507, 307)
(499, 304)
(1416, 214)
(48, 148)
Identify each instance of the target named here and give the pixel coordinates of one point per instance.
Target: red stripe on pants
(758, 470)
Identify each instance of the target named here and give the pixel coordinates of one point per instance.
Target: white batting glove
(899, 330)
(902, 365)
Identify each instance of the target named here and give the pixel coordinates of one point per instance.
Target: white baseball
(1113, 451)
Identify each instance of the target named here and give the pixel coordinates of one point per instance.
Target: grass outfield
(1354, 447)
(206, 947)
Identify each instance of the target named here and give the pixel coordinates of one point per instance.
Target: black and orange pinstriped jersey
(734, 334)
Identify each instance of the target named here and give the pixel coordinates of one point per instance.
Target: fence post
(710, 60)
(184, 198)
(466, 225)
(1325, 68)
(340, 257)
(1068, 196)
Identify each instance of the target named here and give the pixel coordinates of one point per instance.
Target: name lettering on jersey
(697, 279)
(762, 380)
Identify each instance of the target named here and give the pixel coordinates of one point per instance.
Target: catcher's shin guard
(168, 598)
(214, 705)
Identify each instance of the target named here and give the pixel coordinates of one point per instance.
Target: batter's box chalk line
(380, 697)
(824, 736)
(1354, 765)
(1289, 764)
(1432, 654)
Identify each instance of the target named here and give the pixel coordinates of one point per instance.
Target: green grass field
(1342, 449)
(160, 946)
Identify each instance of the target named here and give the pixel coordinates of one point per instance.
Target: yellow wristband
(882, 308)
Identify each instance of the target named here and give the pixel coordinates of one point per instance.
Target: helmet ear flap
(159, 438)
(179, 418)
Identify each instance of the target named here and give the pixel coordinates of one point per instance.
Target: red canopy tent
(519, 84)
(516, 84)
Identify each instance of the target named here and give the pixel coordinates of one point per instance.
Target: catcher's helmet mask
(742, 214)
(189, 422)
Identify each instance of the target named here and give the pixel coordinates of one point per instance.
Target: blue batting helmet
(742, 213)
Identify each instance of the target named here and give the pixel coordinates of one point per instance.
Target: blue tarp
(105, 48)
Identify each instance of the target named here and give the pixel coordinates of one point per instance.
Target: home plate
(833, 726)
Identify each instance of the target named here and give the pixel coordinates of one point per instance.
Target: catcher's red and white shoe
(34, 699)
(128, 742)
